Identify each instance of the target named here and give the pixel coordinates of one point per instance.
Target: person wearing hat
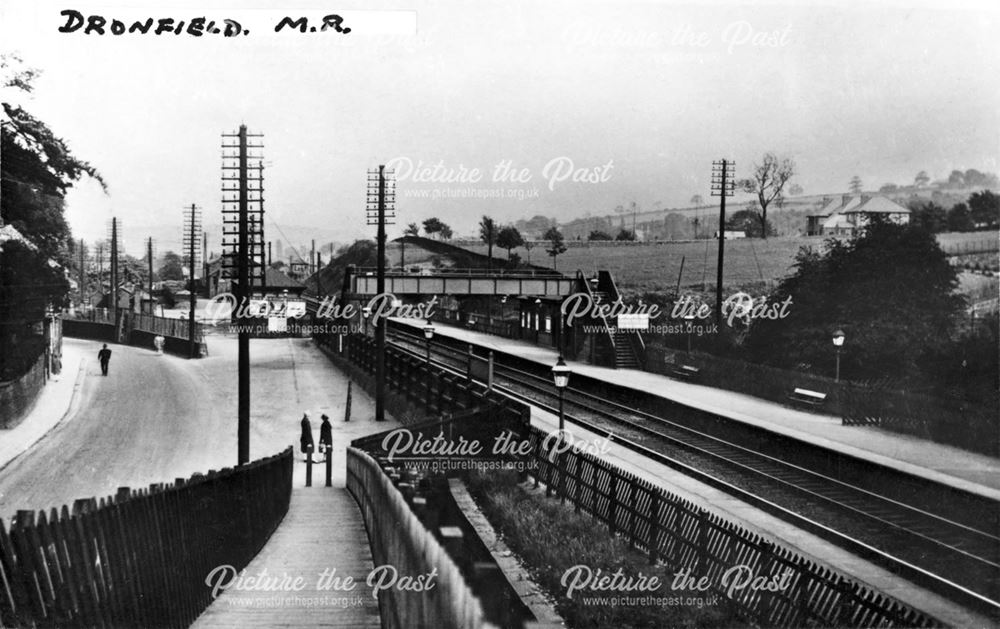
(306, 441)
(325, 435)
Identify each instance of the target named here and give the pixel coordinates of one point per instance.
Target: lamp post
(689, 318)
(560, 375)
(838, 342)
(429, 334)
(366, 312)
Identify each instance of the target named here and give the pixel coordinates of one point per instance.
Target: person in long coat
(325, 435)
(306, 440)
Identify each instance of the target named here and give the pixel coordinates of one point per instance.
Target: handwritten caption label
(133, 22)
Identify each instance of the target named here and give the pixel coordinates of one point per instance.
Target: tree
(509, 238)
(36, 171)
(985, 209)
(434, 225)
(599, 235)
(411, 230)
(625, 235)
(795, 190)
(960, 219)
(956, 178)
(748, 222)
(172, 267)
(929, 215)
(922, 179)
(528, 246)
(768, 181)
(855, 185)
(556, 244)
(890, 288)
(888, 188)
(697, 200)
(488, 234)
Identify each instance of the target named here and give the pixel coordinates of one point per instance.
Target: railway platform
(947, 465)
(812, 547)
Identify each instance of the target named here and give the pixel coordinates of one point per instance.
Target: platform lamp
(689, 318)
(838, 342)
(366, 312)
(429, 334)
(560, 375)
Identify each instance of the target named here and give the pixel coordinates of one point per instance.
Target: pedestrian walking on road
(306, 441)
(325, 436)
(105, 357)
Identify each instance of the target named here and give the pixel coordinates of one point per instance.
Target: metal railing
(140, 558)
(461, 272)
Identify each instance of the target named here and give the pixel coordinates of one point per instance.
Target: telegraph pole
(204, 261)
(191, 239)
(242, 197)
(83, 275)
(722, 186)
(380, 206)
(114, 268)
(100, 266)
(149, 258)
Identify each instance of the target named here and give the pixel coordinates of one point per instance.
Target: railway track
(958, 560)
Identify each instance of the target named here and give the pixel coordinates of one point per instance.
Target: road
(155, 418)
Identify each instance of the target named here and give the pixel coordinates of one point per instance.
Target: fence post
(329, 466)
(654, 526)
(612, 499)
(309, 466)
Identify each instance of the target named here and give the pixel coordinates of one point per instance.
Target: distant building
(849, 213)
(732, 234)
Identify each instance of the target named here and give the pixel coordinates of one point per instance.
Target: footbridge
(363, 282)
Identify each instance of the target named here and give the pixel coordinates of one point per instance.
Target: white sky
(882, 91)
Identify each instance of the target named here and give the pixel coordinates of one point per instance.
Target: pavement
(950, 466)
(158, 417)
(52, 405)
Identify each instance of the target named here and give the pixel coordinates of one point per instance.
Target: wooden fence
(399, 539)
(667, 527)
(140, 558)
(163, 326)
(683, 535)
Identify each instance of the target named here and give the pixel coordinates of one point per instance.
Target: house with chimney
(845, 215)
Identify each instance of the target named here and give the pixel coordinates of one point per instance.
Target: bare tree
(768, 181)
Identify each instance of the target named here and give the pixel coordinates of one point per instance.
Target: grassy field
(643, 267)
(657, 266)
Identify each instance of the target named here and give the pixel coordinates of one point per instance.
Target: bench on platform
(805, 396)
(686, 372)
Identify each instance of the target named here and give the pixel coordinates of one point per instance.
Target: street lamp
(560, 375)
(838, 342)
(429, 334)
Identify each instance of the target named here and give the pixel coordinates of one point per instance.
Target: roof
(273, 278)
(8, 233)
(878, 205)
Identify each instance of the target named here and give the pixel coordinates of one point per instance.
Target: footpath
(55, 401)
